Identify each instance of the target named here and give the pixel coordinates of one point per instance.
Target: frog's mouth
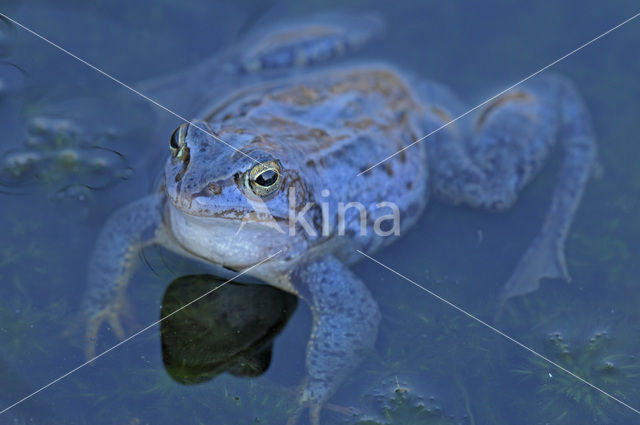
(233, 214)
(251, 212)
(231, 242)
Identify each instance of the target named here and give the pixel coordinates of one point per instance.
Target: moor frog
(273, 118)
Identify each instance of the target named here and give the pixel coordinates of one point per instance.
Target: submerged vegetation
(56, 152)
(596, 358)
(396, 402)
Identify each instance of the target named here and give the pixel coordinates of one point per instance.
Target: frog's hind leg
(269, 52)
(545, 256)
(512, 137)
(316, 39)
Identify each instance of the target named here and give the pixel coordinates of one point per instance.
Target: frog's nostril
(211, 189)
(214, 189)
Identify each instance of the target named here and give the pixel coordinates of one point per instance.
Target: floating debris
(50, 133)
(56, 152)
(19, 164)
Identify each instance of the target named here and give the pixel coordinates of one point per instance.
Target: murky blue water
(431, 364)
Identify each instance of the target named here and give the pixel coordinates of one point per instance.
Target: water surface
(431, 364)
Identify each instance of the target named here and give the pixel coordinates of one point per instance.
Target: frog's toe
(115, 318)
(112, 316)
(91, 334)
(543, 259)
(295, 417)
(116, 325)
(343, 410)
(314, 414)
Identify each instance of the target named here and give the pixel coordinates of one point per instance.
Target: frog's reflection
(230, 330)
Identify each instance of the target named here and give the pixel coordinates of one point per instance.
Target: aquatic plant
(225, 400)
(565, 399)
(24, 263)
(396, 402)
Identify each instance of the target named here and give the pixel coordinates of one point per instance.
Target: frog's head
(229, 200)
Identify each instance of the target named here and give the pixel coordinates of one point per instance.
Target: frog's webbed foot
(312, 399)
(345, 322)
(114, 260)
(543, 259)
(315, 408)
(112, 314)
(511, 139)
(87, 324)
(295, 417)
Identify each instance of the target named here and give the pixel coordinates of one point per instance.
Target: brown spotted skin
(325, 129)
(322, 128)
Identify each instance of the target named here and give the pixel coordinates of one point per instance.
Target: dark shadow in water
(231, 330)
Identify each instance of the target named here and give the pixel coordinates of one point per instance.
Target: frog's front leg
(114, 260)
(345, 322)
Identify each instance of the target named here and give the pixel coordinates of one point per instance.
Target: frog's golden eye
(176, 142)
(264, 178)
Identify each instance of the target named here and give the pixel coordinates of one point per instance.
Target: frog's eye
(176, 142)
(264, 178)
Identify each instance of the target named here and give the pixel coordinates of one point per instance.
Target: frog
(286, 129)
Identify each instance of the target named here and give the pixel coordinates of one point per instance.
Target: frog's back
(329, 127)
(327, 124)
